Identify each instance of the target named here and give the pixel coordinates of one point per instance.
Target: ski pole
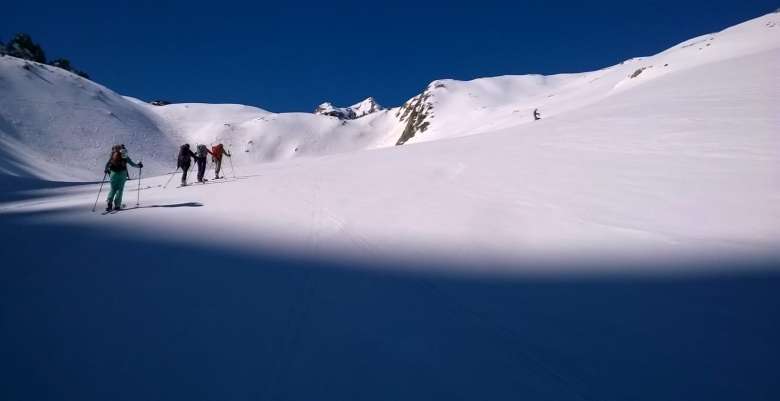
(99, 190)
(138, 198)
(170, 178)
(232, 171)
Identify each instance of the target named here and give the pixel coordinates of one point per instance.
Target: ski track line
(320, 215)
(298, 311)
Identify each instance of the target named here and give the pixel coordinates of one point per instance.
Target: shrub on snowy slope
(22, 46)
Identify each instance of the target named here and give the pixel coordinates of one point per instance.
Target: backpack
(202, 151)
(117, 163)
(184, 155)
(216, 151)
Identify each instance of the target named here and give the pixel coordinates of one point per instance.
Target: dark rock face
(417, 112)
(637, 72)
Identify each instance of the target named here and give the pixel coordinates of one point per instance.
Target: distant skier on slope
(217, 151)
(116, 167)
(537, 116)
(201, 157)
(184, 161)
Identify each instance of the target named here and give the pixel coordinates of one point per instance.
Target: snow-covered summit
(328, 109)
(357, 110)
(367, 106)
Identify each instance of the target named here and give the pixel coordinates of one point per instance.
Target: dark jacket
(202, 153)
(185, 155)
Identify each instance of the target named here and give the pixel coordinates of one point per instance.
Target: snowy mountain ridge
(45, 108)
(487, 104)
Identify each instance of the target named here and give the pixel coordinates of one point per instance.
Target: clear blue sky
(291, 57)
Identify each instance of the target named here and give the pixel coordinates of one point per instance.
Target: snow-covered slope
(450, 108)
(57, 125)
(60, 125)
(261, 136)
(682, 163)
(629, 237)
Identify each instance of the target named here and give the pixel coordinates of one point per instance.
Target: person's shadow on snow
(186, 204)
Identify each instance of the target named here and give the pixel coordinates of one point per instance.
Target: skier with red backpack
(116, 167)
(217, 151)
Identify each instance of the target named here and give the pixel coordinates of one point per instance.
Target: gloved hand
(141, 165)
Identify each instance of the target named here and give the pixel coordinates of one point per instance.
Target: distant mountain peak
(367, 106)
(357, 110)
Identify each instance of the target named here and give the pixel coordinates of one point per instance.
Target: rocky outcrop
(417, 112)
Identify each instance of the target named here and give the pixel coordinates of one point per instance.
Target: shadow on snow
(88, 316)
(171, 205)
